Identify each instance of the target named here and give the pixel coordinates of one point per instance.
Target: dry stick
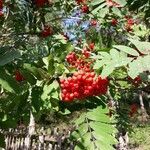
(144, 114)
(31, 131)
(111, 100)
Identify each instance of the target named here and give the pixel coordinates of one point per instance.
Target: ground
(140, 137)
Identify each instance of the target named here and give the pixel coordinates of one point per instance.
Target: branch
(144, 89)
(144, 113)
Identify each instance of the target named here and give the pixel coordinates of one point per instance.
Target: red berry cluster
(81, 63)
(1, 4)
(78, 63)
(86, 52)
(80, 2)
(18, 76)
(133, 110)
(129, 24)
(40, 3)
(47, 31)
(85, 8)
(111, 3)
(71, 58)
(114, 22)
(82, 85)
(91, 46)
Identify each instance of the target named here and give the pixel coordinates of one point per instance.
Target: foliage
(90, 132)
(140, 137)
(42, 42)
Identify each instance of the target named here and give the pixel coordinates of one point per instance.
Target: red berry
(80, 1)
(86, 53)
(71, 96)
(81, 85)
(71, 58)
(47, 31)
(85, 9)
(76, 94)
(93, 22)
(18, 76)
(114, 22)
(111, 3)
(92, 74)
(133, 109)
(130, 21)
(91, 46)
(127, 17)
(40, 3)
(1, 5)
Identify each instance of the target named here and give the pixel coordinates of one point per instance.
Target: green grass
(140, 138)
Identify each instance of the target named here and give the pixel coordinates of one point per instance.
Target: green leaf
(143, 47)
(102, 136)
(96, 2)
(133, 71)
(102, 127)
(55, 95)
(99, 8)
(142, 63)
(80, 146)
(105, 55)
(114, 53)
(127, 50)
(121, 2)
(54, 85)
(9, 123)
(9, 56)
(123, 59)
(44, 74)
(146, 62)
(28, 77)
(103, 12)
(60, 38)
(80, 120)
(66, 112)
(98, 114)
(34, 70)
(119, 58)
(9, 83)
(98, 64)
(86, 138)
(36, 98)
(108, 69)
(81, 131)
(49, 61)
(48, 89)
(116, 11)
(103, 145)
